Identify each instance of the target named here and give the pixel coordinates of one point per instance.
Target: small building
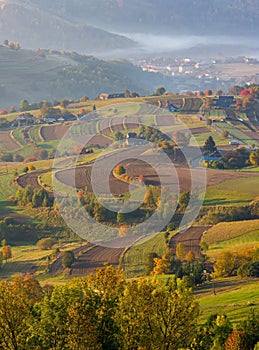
(132, 139)
(172, 108)
(216, 156)
(234, 142)
(25, 119)
(224, 102)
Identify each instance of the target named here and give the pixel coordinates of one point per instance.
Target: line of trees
(103, 311)
(35, 197)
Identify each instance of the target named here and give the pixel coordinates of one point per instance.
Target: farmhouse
(171, 108)
(25, 119)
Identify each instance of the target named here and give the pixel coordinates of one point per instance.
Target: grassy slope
(229, 231)
(134, 259)
(233, 297)
(235, 192)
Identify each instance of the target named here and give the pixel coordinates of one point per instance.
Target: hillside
(33, 27)
(48, 75)
(88, 26)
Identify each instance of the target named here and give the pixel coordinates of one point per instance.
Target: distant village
(206, 70)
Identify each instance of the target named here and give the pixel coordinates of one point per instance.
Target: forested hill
(225, 17)
(35, 27)
(47, 75)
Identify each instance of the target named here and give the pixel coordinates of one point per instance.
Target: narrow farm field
(7, 142)
(234, 192)
(254, 169)
(191, 121)
(26, 259)
(134, 259)
(202, 137)
(34, 134)
(236, 132)
(17, 133)
(231, 232)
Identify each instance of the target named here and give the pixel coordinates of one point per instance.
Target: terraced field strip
(56, 267)
(132, 122)
(95, 258)
(34, 133)
(201, 130)
(105, 127)
(8, 142)
(190, 238)
(117, 124)
(81, 177)
(19, 137)
(166, 120)
(192, 104)
(32, 179)
(54, 132)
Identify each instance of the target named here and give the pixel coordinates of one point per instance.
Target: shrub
(7, 157)
(18, 158)
(119, 170)
(68, 259)
(46, 243)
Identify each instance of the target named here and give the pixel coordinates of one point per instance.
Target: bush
(18, 158)
(31, 167)
(249, 269)
(119, 170)
(8, 220)
(46, 243)
(68, 259)
(7, 157)
(43, 155)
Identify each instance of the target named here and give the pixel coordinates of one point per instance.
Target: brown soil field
(166, 120)
(135, 168)
(7, 141)
(16, 216)
(99, 140)
(90, 256)
(32, 180)
(190, 238)
(56, 267)
(105, 126)
(201, 130)
(95, 258)
(83, 179)
(54, 132)
(117, 124)
(132, 122)
(254, 136)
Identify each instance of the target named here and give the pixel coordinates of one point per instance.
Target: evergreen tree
(209, 146)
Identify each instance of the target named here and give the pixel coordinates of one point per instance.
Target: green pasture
(18, 135)
(219, 140)
(34, 133)
(233, 299)
(217, 113)
(234, 130)
(234, 192)
(135, 257)
(253, 169)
